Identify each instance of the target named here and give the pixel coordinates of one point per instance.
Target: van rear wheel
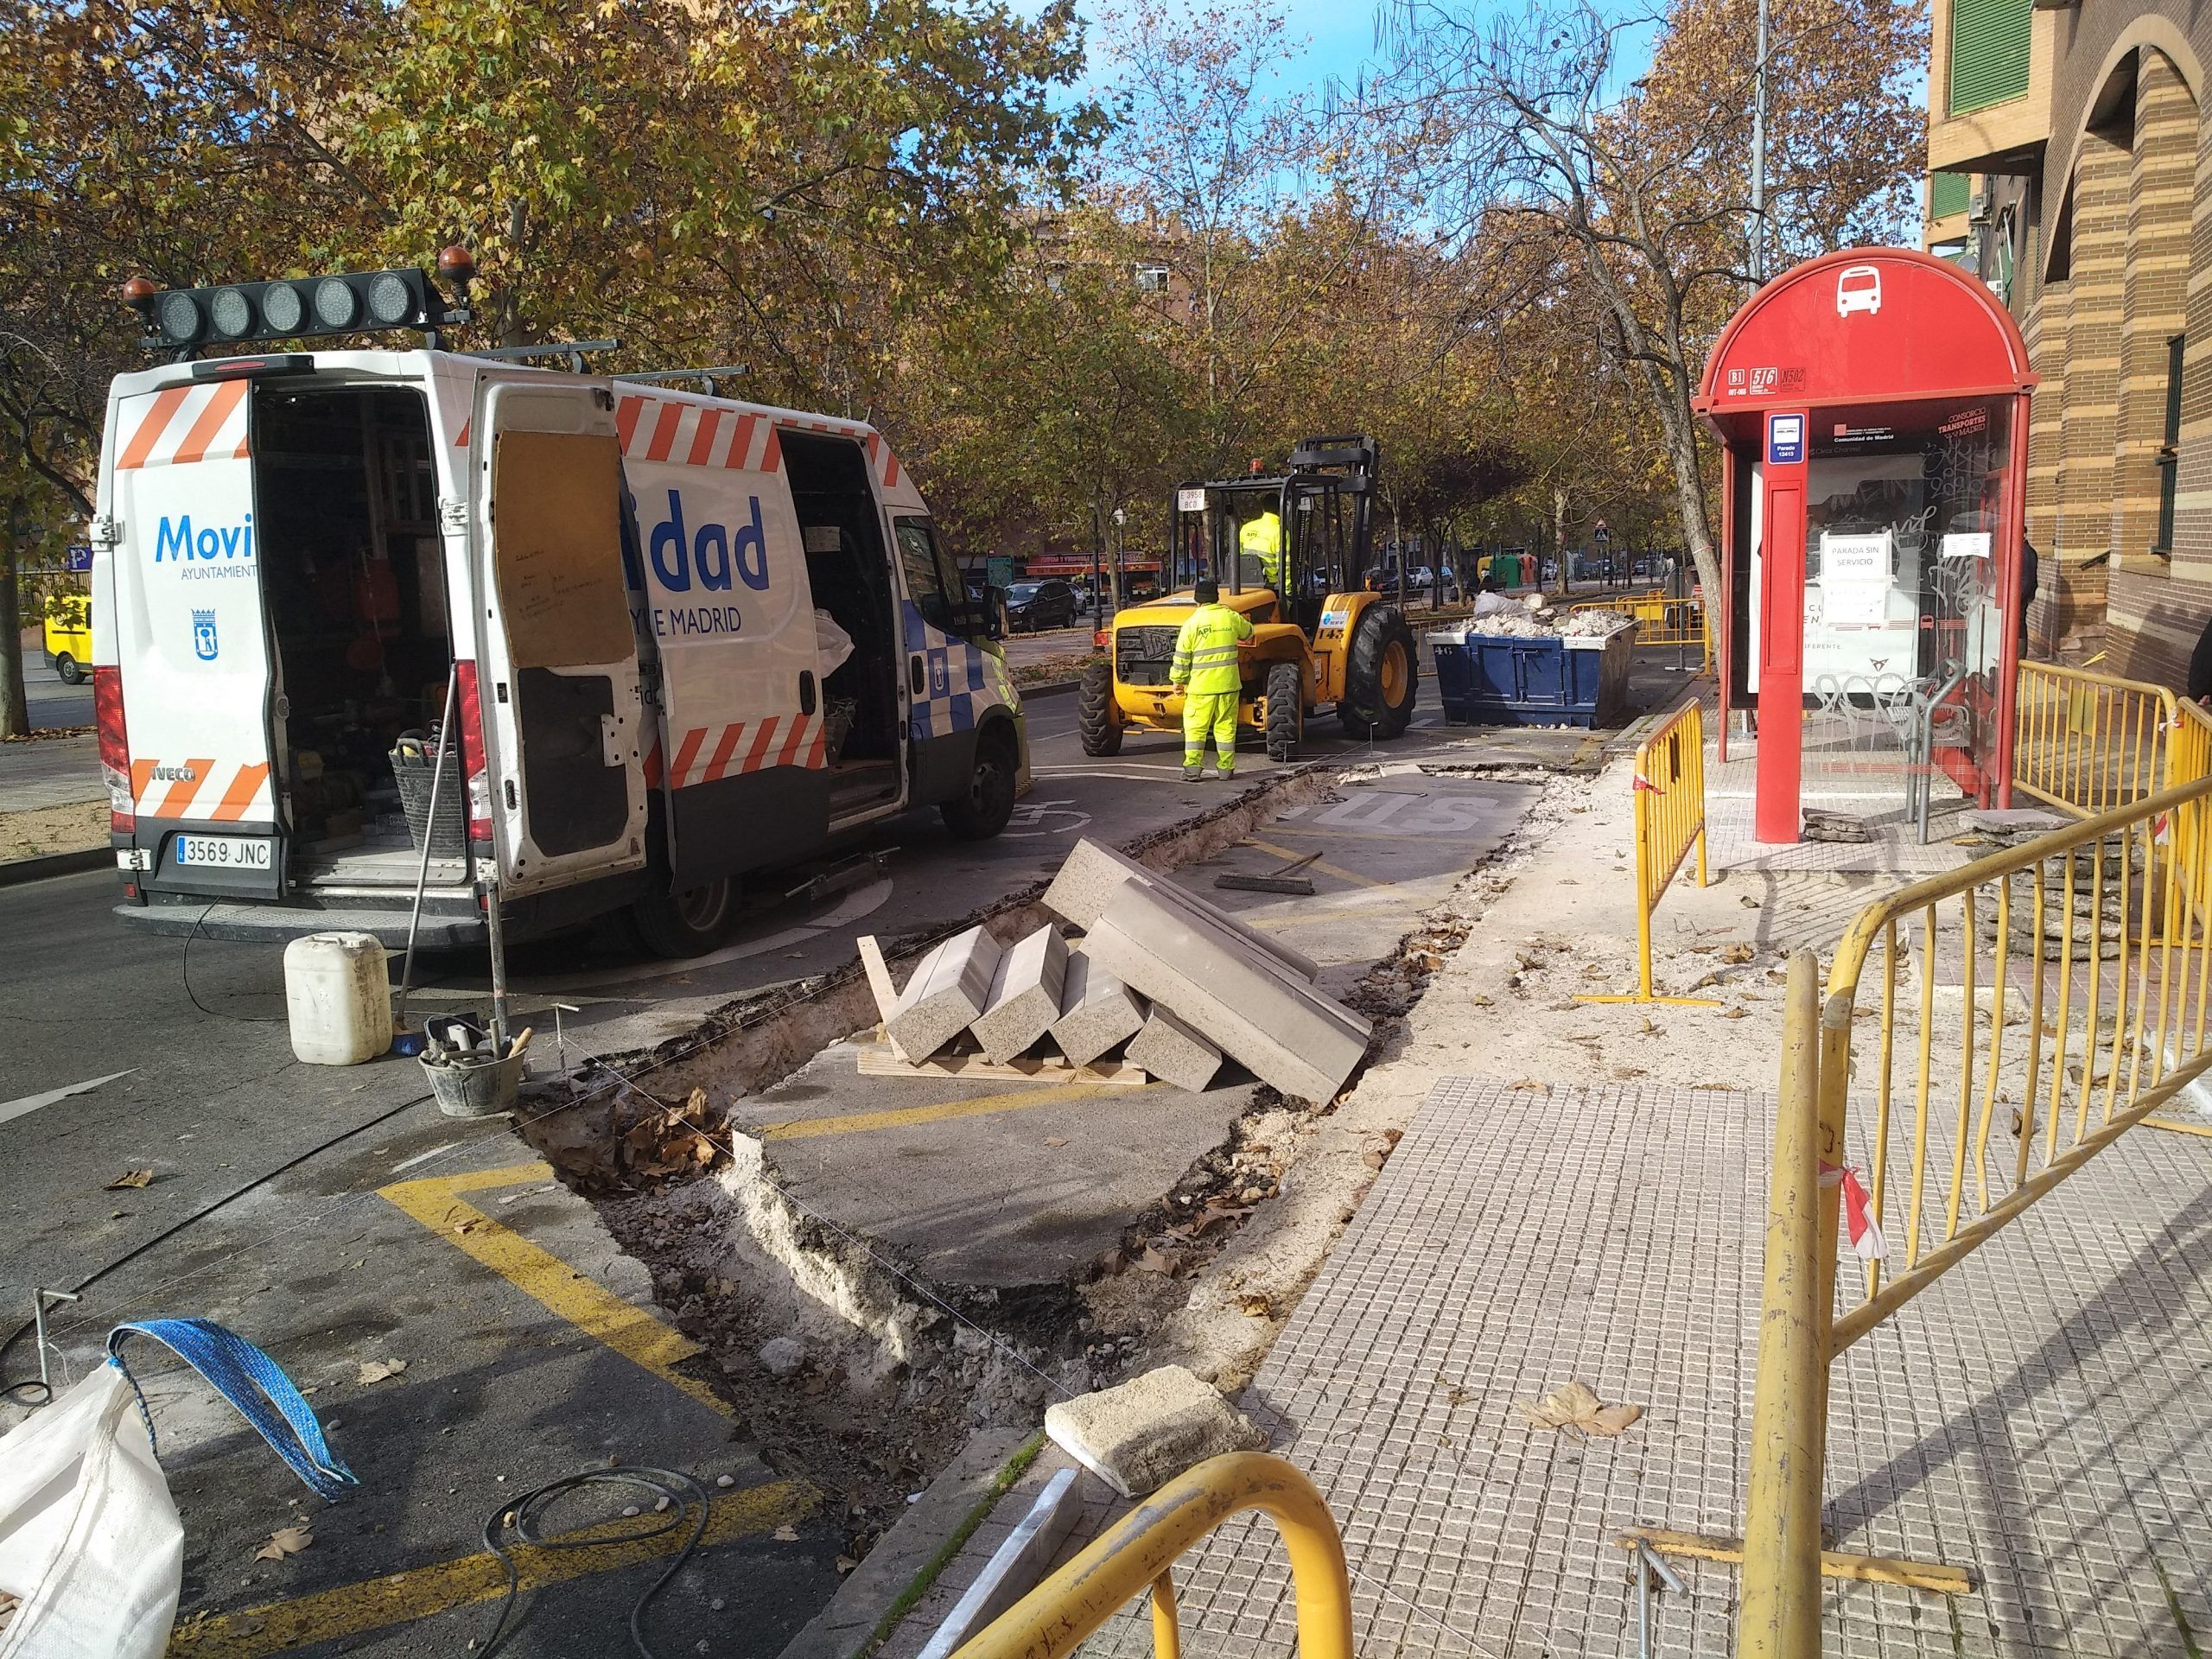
(71, 670)
(673, 925)
(988, 804)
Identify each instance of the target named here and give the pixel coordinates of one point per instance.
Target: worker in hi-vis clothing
(1206, 667)
(1259, 539)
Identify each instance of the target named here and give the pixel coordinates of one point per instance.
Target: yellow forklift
(1320, 640)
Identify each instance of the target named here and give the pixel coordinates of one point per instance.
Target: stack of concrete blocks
(1217, 986)
(1180, 980)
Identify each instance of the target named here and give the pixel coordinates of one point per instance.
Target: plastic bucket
(475, 1088)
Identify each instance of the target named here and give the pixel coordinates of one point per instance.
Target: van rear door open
(191, 641)
(558, 688)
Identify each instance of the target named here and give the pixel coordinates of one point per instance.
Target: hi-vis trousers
(1214, 711)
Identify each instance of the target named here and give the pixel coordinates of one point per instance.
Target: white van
(295, 552)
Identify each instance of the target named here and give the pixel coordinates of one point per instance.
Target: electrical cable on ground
(675, 1490)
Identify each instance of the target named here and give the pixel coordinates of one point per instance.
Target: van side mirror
(994, 612)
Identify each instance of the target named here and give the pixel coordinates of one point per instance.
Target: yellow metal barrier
(2100, 1026)
(1669, 796)
(2089, 742)
(1139, 1552)
(1660, 620)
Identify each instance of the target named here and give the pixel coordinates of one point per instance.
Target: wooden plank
(877, 1061)
(880, 986)
(1940, 1577)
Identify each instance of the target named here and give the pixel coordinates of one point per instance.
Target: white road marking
(423, 1157)
(14, 1109)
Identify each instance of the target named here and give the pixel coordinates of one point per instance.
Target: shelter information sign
(1786, 440)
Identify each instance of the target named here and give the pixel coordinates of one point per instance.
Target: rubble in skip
(1139, 979)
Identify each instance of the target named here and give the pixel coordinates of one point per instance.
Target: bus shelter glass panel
(1905, 532)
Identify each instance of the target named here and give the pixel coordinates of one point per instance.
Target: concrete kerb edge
(1054, 689)
(910, 1595)
(15, 871)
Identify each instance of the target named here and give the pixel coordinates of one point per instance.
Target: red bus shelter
(1872, 410)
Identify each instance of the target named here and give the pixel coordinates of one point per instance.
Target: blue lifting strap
(254, 1383)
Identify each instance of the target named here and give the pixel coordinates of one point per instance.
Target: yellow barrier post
(1669, 810)
(1134, 1556)
(1780, 1618)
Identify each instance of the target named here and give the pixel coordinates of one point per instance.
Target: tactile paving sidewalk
(2042, 1417)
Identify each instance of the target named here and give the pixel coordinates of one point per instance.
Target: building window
(1152, 279)
(2170, 448)
(1946, 194)
(1989, 52)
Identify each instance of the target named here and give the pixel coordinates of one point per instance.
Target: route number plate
(225, 852)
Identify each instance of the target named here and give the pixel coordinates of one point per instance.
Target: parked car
(1032, 607)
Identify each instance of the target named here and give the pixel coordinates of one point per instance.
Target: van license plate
(225, 852)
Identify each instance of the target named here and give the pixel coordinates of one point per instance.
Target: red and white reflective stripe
(696, 434)
(705, 754)
(881, 458)
(181, 424)
(188, 791)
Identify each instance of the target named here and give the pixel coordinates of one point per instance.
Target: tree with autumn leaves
(1501, 256)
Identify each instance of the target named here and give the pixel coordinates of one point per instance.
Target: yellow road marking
(806, 1128)
(417, 1592)
(543, 1277)
(1320, 864)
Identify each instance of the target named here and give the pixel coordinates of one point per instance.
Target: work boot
(1194, 774)
(1227, 774)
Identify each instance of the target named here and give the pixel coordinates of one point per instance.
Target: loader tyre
(1286, 712)
(1094, 711)
(1382, 674)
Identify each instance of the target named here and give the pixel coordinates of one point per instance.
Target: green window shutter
(1946, 194)
(1989, 52)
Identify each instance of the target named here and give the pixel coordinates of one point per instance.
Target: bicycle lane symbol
(1030, 818)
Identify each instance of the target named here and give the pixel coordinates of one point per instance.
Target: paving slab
(1174, 1051)
(951, 986)
(997, 1184)
(2037, 1417)
(1097, 1011)
(1025, 997)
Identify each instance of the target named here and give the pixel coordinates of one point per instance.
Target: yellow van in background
(69, 636)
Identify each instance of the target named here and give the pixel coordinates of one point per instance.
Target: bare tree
(1568, 183)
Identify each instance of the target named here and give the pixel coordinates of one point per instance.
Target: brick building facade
(2070, 164)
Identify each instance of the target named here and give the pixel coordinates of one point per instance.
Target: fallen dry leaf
(1056, 1140)
(846, 1564)
(786, 1534)
(376, 1370)
(1160, 1262)
(131, 1178)
(1481, 1001)
(1736, 1014)
(285, 1541)
(1738, 951)
(1571, 1405)
(1532, 1083)
(1257, 1307)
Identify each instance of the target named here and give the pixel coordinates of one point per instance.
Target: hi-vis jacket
(1205, 651)
(1261, 538)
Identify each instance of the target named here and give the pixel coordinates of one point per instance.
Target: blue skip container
(1492, 679)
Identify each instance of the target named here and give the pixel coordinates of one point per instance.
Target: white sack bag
(89, 1539)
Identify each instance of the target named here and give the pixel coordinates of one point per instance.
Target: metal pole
(1758, 154)
(448, 740)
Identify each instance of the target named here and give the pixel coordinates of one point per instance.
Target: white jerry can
(338, 995)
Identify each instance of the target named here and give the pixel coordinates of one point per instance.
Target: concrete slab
(1096, 1010)
(948, 990)
(1289, 1034)
(999, 1185)
(1024, 996)
(1174, 1051)
(1086, 886)
(1139, 1434)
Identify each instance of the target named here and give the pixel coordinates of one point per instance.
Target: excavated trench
(847, 1363)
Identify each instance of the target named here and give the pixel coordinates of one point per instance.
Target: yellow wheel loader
(1320, 641)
